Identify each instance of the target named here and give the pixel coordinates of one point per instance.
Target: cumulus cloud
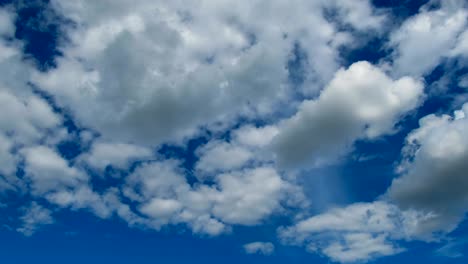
(361, 102)
(221, 156)
(153, 71)
(240, 197)
(247, 147)
(135, 75)
(118, 155)
(48, 171)
(264, 248)
(434, 170)
(255, 136)
(443, 28)
(50, 176)
(356, 233)
(26, 118)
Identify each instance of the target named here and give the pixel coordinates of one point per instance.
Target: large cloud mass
(435, 170)
(206, 115)
(361, 102)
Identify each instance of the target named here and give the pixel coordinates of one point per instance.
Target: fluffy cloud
(51, 177)
(221, 156)
(361, 102)
(264, 248)
(247, 197)
(153, 71)
(48, 171)
(254, 136)
(241, 197)
(247, 147)
(442, 28)
(134, 75)
(434, 171)
(118, 155)
(26, 118)
(356, 233)
(360, 247)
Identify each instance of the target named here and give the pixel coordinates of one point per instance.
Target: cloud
(356, 233)
(240, 197)
(255, 136)
(248, 196)
(361, 102)
(245, 148)
(118, 155)
(7, 19)
(7, 159)
(221, 156)
(26, 117)
(433, 172)
(48, 171)
(442, 28)
(154, 72)
(452, 249)
(34, 216)
(360, 247)
(135, 75)
(264, 248)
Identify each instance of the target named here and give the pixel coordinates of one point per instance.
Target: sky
(264, 131)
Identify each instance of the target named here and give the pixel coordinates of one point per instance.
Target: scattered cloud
(361, 102)
(433, 174)
(264, 248)
(135, 79)
(33, 218)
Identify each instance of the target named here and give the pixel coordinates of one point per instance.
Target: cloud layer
(209, 115)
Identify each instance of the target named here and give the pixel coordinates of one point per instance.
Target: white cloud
(144, 72)
(361, 102)
(255, 136)
(48, 171)
(7, 19)
(26, 117)
(221, 156)
(353, 13)
(441, 28)
(161, 208)
(7, 159)
(461, 48)
(264, 248)
(81, 197)
(248, 196)
(118, 155)
(360, 247)
(433, 173)
(153, 71)
(356, 233)
(34, 216)
(244, 197)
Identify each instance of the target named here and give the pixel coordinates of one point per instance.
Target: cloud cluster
(360, 102)
(434, 172)
(445, 30)
(154, 72)
(136, 76)
(356, 233)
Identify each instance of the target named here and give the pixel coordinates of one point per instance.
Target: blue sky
(219, 131)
